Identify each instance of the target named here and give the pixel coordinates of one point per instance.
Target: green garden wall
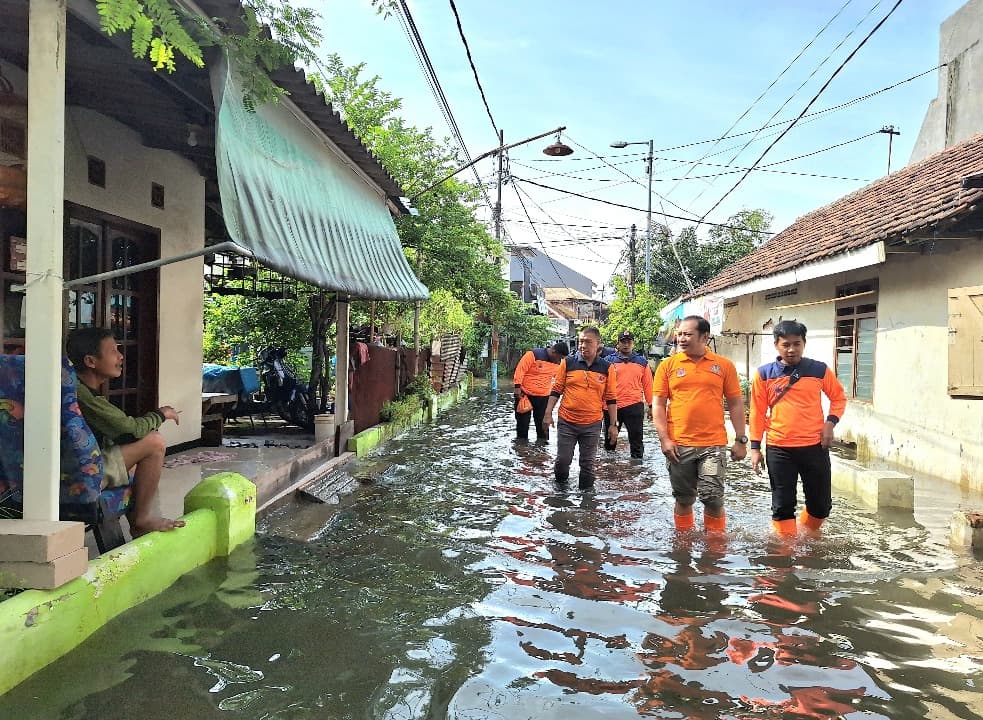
(367, 440)
(39, 626)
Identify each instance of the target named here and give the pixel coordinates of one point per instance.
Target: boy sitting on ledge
(125, 441)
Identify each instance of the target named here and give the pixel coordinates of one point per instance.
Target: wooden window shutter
(966, 341)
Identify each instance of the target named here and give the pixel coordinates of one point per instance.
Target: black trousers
(785, 466)
(539, 403)
(632, 417)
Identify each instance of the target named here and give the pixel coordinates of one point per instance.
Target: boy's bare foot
(153, 524)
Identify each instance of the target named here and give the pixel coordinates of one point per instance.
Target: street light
(648, 215)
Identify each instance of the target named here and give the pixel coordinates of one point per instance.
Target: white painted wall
(915, 422)
(130, 170)
(912, 420)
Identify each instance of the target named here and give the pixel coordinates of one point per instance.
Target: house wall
(957, 113)
(130, 169)
(912, 420)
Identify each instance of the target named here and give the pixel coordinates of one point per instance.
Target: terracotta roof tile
(913, 198)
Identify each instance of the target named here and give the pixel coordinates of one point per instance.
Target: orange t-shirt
(586, 390)
(695, 389)
(534, 373)
(634, 379)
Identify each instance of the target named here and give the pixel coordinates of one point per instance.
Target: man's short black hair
(702, 324)
(591, 330)
(788, 327)
(561, 349)
(85, 341)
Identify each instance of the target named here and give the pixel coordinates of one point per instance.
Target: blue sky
(676, 72)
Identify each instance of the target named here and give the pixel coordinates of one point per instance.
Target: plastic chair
(81, 497)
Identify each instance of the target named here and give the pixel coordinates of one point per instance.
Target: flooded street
(465, 585)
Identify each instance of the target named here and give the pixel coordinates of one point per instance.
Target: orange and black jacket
(634, 378)
(586, 389)
(534, 373)
(786, 403)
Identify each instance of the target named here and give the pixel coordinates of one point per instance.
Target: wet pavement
(465, 585)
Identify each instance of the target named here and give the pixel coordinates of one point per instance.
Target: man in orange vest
(533, 378)
(787, 411)
(689, 417)
(634, 391)
(588, 385)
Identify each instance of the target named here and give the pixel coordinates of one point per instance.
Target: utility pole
(890, 132)
(631, 263)
(493, 382)
(648, 222)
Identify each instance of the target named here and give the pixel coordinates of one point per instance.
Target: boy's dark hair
(561, 349)
(85, 341)
(702, 324)
(788, 327)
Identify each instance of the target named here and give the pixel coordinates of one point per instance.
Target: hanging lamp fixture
(558, 149)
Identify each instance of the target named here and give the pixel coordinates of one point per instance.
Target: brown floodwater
(465, 585)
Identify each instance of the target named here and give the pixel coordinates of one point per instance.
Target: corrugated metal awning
(290, 198)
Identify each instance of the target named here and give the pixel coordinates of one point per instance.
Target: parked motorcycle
(285, 393)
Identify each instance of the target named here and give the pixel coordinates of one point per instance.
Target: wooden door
(96, 243)
(966, 341)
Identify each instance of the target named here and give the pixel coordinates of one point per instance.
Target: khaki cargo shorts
(700, 472)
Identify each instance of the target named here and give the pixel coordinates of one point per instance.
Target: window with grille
(856, 333)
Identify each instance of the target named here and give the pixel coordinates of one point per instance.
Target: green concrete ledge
(367, 440)
(39, 626)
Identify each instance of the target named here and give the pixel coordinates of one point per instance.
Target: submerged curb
(39, 626)
(367, 440)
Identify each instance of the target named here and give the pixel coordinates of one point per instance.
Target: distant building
(531, 272)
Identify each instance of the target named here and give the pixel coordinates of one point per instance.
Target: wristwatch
(742, 439)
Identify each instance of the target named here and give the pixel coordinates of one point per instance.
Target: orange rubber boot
(810, 522)
(714, 523)
(683, 522)
(785, 527)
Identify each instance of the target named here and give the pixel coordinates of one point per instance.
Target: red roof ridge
(917, 196)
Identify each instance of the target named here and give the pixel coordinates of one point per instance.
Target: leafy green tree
(265, 36)
(451, 250)
(702, 259)
(524, 327)
(640, 315)
(443, 314)
(245, 324)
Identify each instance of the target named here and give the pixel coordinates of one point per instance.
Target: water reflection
(467, 586)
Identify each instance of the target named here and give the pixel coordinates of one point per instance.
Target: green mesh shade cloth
(302, 211)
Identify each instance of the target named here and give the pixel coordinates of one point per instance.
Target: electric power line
(806, 108)
(536, 233)
(423, 58)
(540, 208)
(796, 91)
(812, 115)
(773, 82)
(629, 207)
(474, 70)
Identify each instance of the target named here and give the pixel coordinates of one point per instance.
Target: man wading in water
(689, 417)
(587, 383)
